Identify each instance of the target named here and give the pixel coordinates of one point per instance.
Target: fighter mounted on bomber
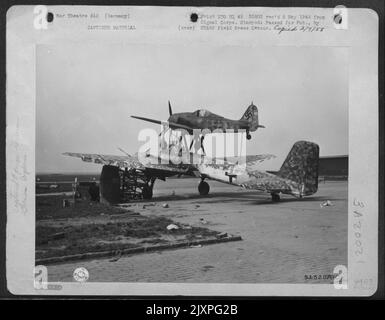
(130, 177)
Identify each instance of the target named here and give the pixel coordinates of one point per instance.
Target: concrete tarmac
(292, 241)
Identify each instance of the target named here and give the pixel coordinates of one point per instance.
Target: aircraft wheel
(275, 197)
(248, 137)
(147, 192)
(110, 185)
(203, 188)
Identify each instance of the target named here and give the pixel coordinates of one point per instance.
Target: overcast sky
(86, 94)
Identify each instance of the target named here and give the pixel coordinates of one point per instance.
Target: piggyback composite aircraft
(126, 177)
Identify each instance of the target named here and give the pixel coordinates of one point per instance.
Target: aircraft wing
(251, 160)
(172, 125)
(132, 162)
(111, 160)
(168, 169)
(231, 167)
(258, 158)
(165, 165)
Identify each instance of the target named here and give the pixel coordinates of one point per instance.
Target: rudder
(251, 115)
(301, 166)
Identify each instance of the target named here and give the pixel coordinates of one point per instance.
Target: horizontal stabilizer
(230, 174)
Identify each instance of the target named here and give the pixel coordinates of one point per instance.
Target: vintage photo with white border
(192, 151)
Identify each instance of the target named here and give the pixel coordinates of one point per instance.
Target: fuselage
(257, 179)
(203, 119)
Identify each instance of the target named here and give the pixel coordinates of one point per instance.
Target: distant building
(334, 166)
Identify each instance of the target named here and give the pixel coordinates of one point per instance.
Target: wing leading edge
(131, 162)
(172, 125)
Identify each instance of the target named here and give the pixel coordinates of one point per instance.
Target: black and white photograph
(85, 97)
(213, 155)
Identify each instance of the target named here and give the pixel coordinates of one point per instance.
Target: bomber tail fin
(301, 166)
(251, 115)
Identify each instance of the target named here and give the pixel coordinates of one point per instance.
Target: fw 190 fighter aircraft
(204, 119)
(122, 175)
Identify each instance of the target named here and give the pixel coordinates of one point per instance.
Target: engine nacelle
(110, 185)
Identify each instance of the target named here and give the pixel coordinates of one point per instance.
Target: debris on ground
(221, 235)
(70, 231)
(196, 246)
(165, 205)
(197, 206)
(202, 221)
(207, 268)
(172, 227)
(327, 203)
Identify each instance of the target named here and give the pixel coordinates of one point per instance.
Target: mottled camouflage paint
(301, 166)
(162, 163)
(298, 175)
(204, 119)
(127, 161)
(132, 162)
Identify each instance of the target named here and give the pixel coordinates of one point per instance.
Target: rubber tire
(204, 188)
(147, 193)
(275, 197)
(110, 185)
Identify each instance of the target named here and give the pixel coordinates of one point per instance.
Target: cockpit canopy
(202, 113)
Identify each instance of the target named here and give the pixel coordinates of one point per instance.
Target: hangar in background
(334, 167)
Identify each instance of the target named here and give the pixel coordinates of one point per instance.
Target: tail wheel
(147, 192)
(248, 136)
(203, 188)
(275, 197)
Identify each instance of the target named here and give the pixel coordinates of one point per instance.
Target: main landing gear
(203, 188)
(118, 185)
(275, 197)
(201, 146)
(248, 135)
(147, 191)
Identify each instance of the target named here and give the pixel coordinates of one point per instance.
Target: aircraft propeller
(169, 108)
